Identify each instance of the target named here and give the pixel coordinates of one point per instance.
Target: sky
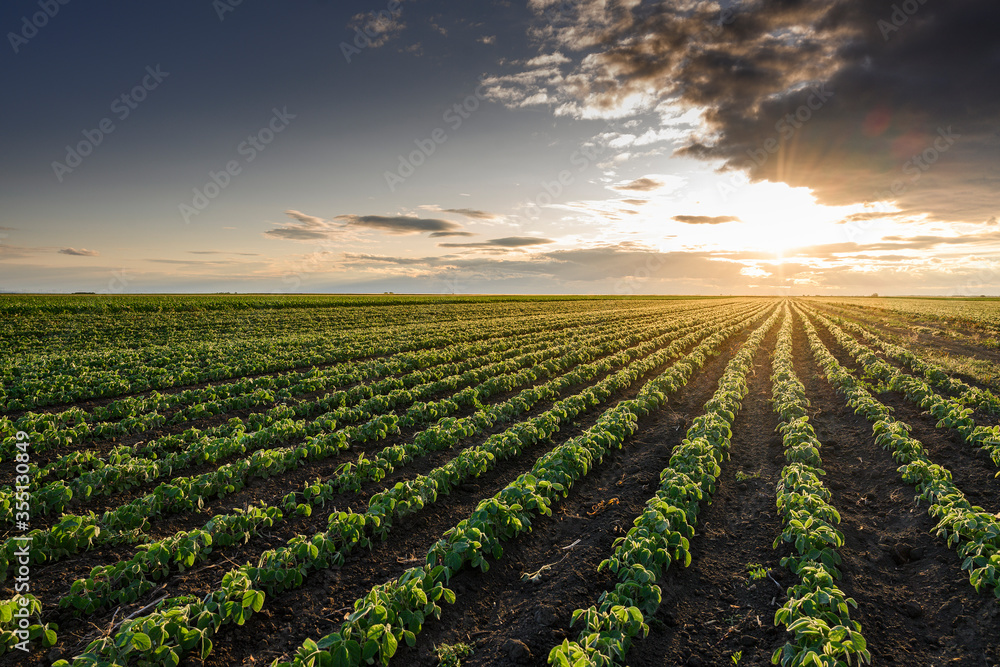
(501, 146)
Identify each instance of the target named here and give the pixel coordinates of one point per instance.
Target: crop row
(132, 579)
(74, 533)
(413, 369)
(185, 626)
(817, 612)
(978, 314)
(21, 624)
(447, 433)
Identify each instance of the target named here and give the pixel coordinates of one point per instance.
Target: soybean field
(572, 481)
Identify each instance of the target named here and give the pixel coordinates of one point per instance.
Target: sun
(762, 221)
(777, 218)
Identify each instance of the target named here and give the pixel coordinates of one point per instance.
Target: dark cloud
(304, 227)
(296, 233)
(220, 252)
(472, 213)
(82, 252)
(640, 185)
(895, 243)
(581, 265)
(927, 241)
(629, 268)
(635, 202)
(898, 113)
(403, 225)
(362, 258)
(705, 219)
(506, 242)
(191, 262)
(437, 235)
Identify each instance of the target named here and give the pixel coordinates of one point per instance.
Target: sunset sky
(501, 146)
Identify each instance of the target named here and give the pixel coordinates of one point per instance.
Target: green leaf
(141, 641)
(341, 657)
(206, 647)
(248, 598)
(389, 645)
(369, 650)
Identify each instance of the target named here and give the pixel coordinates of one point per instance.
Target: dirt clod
(518, 651)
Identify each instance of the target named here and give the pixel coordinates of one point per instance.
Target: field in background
(336, 480)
